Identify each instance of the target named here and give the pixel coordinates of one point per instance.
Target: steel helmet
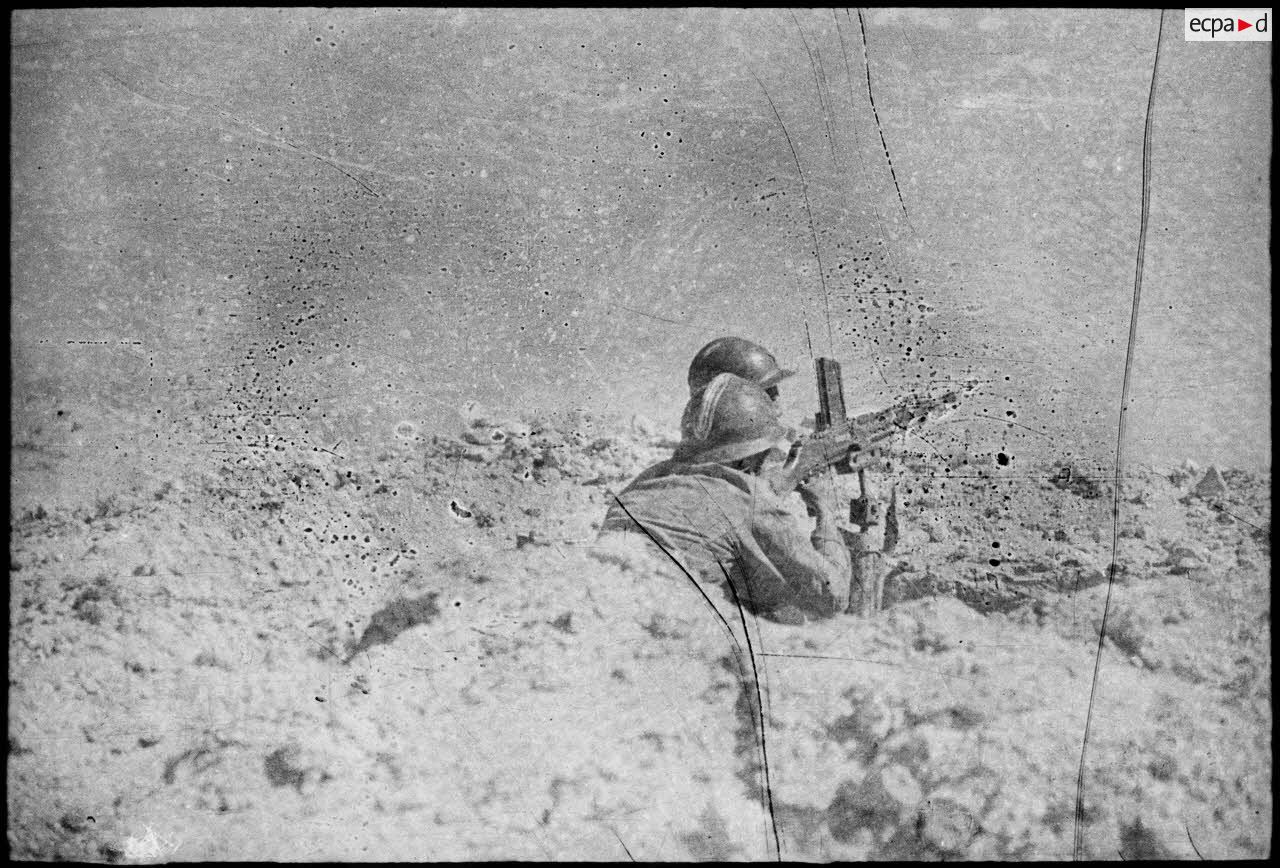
(730, 355)
(730, 419)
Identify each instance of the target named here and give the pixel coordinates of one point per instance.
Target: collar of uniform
(745, 481)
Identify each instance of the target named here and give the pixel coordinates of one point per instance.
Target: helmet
(739, 356)
(730, 419)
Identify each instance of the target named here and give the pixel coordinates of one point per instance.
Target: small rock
(75, 821)
(489, 437)
(1211, 486)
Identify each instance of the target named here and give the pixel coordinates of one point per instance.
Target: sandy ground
(273, 597)
(198, 670)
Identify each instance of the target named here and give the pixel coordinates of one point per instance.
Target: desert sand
(193, 667)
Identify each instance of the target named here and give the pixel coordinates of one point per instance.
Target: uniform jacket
(710, 514)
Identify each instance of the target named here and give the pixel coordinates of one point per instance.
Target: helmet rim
(735, 355)
(710, 436)
(776, 377)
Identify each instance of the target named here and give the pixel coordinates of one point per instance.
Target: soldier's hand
(777, 466)
(819, 497)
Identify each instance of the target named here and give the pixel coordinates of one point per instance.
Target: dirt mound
(422, 651)
(938, 732)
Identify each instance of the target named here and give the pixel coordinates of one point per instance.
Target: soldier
(709, 508)
(727, 355)
(730, 355)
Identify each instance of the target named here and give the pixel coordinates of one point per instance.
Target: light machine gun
(843, 445)
(848, 445)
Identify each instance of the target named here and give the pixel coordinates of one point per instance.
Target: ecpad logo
(1227, 25)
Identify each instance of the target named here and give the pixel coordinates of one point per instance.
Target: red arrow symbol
(1244, 25)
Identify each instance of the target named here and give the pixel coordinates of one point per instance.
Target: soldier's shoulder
(672, 476)
(654, 471)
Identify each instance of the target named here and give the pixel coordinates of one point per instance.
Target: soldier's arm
(783, 566)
